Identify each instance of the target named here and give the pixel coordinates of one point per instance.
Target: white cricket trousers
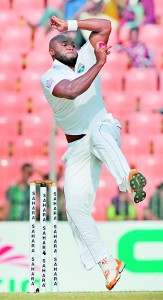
(83, 161)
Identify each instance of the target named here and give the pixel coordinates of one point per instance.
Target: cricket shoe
(116, 264)
(120, 265)
(112, 277)
(137, 182)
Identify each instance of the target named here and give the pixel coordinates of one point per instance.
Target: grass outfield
(84, 296)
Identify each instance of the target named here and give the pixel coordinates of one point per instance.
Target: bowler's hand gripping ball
(102, 44)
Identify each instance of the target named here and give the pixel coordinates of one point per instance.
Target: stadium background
(27, 135)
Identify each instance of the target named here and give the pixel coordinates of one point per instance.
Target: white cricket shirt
(75, 116)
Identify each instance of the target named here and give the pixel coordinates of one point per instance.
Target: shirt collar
(57, 63)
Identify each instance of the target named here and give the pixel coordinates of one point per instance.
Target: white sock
(104, 265)
(107, 263)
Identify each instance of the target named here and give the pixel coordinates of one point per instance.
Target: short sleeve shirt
(78, 115)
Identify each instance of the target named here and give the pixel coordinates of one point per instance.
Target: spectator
(154, 211)
(66, 10)
(44, 20)
(2, 211)
(95, 9)
(131, 13)
(16, 207)
(160, 111)
(139, 54)
(18, 196)
(111, 9)
(72, 7)
(149, 11)
(91, 8)
(121, 208)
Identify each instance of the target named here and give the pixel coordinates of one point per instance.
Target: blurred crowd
(131, 13)
(16, 206)
(127, 18)
(122, 13)
(120, 208)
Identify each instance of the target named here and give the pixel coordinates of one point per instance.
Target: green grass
(84, 296)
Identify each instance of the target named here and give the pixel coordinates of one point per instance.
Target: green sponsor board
(130, 240)
(126, 245)
(14, 285)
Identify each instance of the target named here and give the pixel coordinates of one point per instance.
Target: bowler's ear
(52, 53)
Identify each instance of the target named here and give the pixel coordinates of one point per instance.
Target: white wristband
(72, 25)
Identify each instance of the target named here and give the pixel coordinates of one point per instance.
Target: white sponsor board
(138, 243)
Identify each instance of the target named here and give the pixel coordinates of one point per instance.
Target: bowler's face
(65, 51)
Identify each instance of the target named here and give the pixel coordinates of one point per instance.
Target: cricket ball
(102, 44)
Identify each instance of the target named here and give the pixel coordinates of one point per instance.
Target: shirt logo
(49, 83)
(80, 68)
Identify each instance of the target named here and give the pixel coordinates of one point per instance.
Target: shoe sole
(121, 267)
(113, 283)
(137, 183)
